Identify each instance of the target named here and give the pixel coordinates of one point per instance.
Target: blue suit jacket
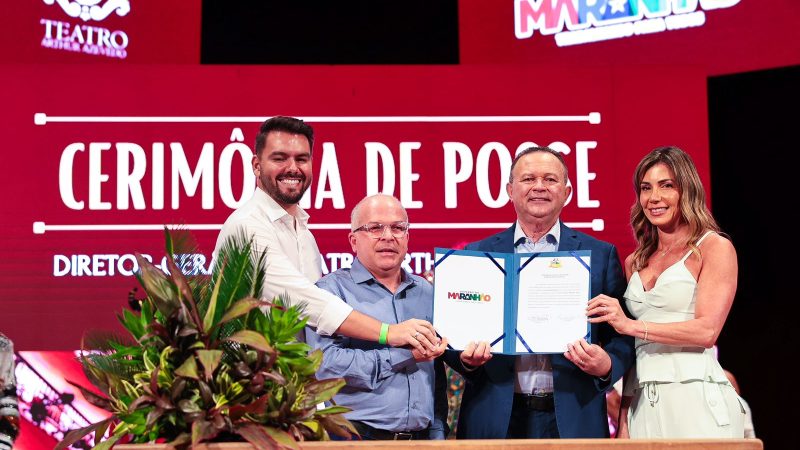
(579, 397)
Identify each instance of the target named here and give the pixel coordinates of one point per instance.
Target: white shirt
(292, 263)
(534, 372)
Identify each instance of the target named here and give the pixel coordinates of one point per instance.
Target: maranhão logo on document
(576, 22)
(469, 296)
(86, 36)
(555, 263)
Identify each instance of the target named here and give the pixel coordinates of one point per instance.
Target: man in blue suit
(546, 396)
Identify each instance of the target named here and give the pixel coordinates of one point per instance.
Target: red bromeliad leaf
(188, 369)
(241, 308)
(253, 339)
(209, 359)
(158, 287)
(144, 399)
(94, 399)
(236, 412)
(76, 435)
(324, 390)
(266, 438)
(283, 438)
(202, 430)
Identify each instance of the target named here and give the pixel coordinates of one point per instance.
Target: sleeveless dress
(678, 392)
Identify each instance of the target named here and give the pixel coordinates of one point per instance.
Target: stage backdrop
(93, 170)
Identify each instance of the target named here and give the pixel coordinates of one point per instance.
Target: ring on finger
(416, 335)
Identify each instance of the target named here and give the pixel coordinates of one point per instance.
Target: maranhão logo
(470, 296)
(86, 37)
(576, 22)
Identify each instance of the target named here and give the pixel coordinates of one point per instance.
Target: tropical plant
(206, 360)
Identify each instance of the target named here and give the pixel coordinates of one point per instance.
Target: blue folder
(513, 264)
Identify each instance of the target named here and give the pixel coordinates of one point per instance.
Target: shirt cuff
(467, 367)
(400, 358)
(333, 316)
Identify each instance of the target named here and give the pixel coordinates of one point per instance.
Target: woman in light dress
(681, 284)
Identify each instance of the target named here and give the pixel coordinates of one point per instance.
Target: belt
(370, 432)
(536, 402)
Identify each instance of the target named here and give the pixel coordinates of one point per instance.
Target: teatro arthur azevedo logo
(88, 37)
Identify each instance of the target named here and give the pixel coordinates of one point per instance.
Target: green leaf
(132, 323)
(243, 274)
(208, 320)
(253, 339)
(209, 359)
(188, 369)
(170, 249)
(333, 410)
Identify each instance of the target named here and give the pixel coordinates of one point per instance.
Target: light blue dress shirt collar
(550, 243)
(361, 274)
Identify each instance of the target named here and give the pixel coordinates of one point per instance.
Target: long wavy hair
(692, 203)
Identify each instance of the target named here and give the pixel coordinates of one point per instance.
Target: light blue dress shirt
(386, 388)
(534, 372)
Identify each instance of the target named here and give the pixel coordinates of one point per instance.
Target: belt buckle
(403, 436)
(540, 402)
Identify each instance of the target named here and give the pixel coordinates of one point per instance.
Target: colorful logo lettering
(469, 296)
(576, 22)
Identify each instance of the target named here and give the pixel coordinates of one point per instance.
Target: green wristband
(384, 333)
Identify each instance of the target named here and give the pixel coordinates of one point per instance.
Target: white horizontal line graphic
(42, 227)
(43, 119)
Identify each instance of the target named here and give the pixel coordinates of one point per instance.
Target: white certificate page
(552, 298)
(468, 300)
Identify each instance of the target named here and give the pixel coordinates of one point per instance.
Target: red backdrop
(121, 150)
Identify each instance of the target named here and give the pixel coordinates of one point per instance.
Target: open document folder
(518, 302)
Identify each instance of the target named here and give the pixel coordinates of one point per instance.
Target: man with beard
(279, 227)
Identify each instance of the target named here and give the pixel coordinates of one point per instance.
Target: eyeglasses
(375, 229)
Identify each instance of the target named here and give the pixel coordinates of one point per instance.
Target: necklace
(664, 252)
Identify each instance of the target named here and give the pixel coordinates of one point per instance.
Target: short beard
(286, 199)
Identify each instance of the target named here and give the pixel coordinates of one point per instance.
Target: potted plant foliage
(207, 361)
